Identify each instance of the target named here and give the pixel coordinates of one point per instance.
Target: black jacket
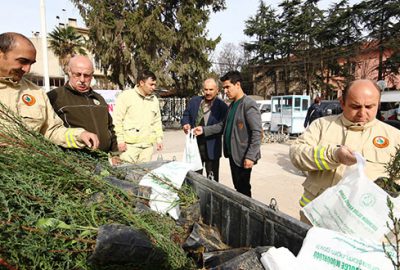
(313, 113)
(86, 110)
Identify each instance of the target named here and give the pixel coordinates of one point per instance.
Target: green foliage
(52, 204)
(380, 18)
(167, 37)
(393, 166)
(318, 49)
(65, 42)
(392, 246)
(265, 28)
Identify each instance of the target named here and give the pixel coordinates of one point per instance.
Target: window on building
(281, 76)
(39, 81)
(97, 64)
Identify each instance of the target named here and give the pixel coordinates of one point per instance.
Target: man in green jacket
(79, 106)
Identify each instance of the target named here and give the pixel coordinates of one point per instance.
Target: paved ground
(273, 177)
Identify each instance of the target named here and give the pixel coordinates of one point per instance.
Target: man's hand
(345, 155)
(248, 164)
(122, 147)
(198, 130)
(90, 139)
(115, 160)
(186, 128)
(160, 146)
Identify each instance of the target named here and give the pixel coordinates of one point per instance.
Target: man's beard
(16, 74)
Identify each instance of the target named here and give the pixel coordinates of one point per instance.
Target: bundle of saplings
(53, 207)
(390, 183)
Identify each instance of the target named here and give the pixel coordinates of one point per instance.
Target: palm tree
(65, 43)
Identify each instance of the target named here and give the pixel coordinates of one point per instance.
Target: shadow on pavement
(284, 162)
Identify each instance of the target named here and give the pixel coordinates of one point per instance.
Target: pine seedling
(392, 246)
(52, 204)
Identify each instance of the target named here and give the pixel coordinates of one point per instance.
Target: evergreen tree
(264, 27)
(308, 26)
(167, 37)
(340, 38)
(289, 37)
(380, 18)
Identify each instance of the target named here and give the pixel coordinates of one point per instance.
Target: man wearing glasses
(79, 106)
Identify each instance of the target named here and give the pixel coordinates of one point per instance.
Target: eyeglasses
(78, 75)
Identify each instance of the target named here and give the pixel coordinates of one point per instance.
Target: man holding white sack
(328, 145)
(206, 110)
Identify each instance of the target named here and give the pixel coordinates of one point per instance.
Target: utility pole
(44, 45)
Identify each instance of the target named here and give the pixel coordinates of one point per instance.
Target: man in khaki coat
(28, 100)
(137, 120)
(328, 145)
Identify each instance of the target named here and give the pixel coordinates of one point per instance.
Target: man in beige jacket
(137, 120)
(328, 145)
(28, 100)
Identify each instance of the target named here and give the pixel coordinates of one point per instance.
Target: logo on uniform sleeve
(380, 142)
(96, 102)
(28, 99)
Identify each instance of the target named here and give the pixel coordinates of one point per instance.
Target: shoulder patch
(380, 142)
(28, 99)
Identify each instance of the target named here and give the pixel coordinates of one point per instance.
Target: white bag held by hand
(355, 206)
(191, 152)
(329, 250)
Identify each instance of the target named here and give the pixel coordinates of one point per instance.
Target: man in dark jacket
(314, 112)
(79, 106)
(241, 132)
(204, 111)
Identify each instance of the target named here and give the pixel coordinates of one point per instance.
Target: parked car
(390, 101)
(330, 107)
(265, 109)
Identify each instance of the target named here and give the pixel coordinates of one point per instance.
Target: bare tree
(231, 57)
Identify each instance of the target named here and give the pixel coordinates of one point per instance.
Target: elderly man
(79, 106)
(328, 145)
(29, 101)
(206, 110)
(137, 120)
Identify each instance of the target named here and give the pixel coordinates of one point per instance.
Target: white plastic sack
(163, 198)
(191, 154)
(330, 250)
(279, 259)
(355, 206)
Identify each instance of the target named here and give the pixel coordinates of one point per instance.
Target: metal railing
(172, 109)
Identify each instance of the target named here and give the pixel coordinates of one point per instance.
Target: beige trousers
(137, 154)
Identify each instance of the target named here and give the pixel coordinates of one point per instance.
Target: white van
(265, 109)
